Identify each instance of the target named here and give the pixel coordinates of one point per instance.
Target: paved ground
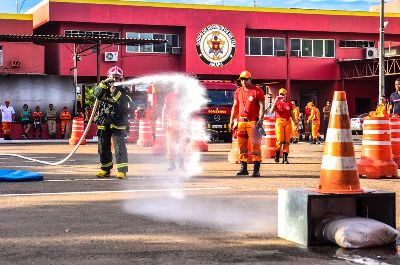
(160, 217)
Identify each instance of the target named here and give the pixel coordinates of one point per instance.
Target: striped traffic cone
(145, 133)
(133, 131)
(78, 127)
(339, 170)
(395, 137)
(160, 145)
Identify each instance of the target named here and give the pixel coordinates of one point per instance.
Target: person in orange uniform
(307, 125)
(381, 109)
(248, 108)
(315, 121)
(65, 117)
(295, 131)
(173, 122)
(37, 122)
(283, 109)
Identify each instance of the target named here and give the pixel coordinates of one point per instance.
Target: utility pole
(382, 53)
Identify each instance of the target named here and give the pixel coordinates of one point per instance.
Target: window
(1, 55)
(265, 46)
(356, 44)
(312, 48)
(172, 41)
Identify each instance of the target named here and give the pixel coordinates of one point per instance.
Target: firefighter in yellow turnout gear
(315, 119)
(283, 109)
(295, 130)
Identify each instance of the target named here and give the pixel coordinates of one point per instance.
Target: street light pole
(382, 53)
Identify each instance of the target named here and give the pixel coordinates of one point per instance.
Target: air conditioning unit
(111, 56)
(371, 53)
(176, 50)
(295, 53)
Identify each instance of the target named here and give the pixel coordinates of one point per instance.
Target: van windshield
(220, 97)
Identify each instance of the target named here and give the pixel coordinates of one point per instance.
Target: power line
(20, 8)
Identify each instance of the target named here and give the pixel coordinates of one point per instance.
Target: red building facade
(19, 58)
(292, 48)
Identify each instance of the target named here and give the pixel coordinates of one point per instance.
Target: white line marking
(112, 191)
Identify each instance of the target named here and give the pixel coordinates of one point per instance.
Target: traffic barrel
(339, 173)
(133, 131)
(78, 127)
(145, 133)
(395, 137)
(268, 144)
(159, 147)
(376, 151)
(198, 135)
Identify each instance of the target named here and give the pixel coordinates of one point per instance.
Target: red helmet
(115, 70)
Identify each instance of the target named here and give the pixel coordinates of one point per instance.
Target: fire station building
(309, 52)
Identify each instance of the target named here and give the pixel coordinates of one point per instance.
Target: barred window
(90, 34)
(172, 42)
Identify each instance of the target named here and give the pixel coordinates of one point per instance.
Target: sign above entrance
(215, 45)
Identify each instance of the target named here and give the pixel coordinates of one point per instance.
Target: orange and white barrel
(376, 152)
(159, 147)
(145, 133)
(78, 127)
(133, 131)
(395, 137)
(268, 144)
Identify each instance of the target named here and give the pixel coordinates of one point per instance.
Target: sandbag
(357, 232)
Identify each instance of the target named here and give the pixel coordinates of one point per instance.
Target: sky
(10, 6)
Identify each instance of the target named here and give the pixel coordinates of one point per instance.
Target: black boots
(277, 156)
(256, 172)
(285, 160)
(243, 169)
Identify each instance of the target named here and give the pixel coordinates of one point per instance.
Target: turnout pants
(283, 130)
(6, 128)
(247, 132)
(104, 147)
(315, 129)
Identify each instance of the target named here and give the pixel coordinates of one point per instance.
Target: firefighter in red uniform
(176, 132)
(283, 109)
(65, 117)
(248, 108)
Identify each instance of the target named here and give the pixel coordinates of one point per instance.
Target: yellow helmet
(245, 74)
(282, 91)
(310, 104)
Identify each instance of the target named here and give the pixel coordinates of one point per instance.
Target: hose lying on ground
(96, 103)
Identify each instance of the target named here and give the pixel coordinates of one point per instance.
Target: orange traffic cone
(376, 153)
(268, 147)
(339, 170)
(198, 133)
(133, 131)
(78, 127)
(145, 133)
(159, 147)
(395, 137)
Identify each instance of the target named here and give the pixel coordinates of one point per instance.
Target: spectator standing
(307, 125)
(295, 123)
(51, 116)
(394, 100)
(25, 120)
(315, 120)
(37, 122)
(65, 117)
(326, 110)
(7, 118)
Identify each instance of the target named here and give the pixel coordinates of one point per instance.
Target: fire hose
(96, 103)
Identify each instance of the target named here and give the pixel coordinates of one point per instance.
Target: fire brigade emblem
(215, 45)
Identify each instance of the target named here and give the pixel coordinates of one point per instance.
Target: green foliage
(89, 96)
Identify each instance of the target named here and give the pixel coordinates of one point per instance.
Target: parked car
(356, 123)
